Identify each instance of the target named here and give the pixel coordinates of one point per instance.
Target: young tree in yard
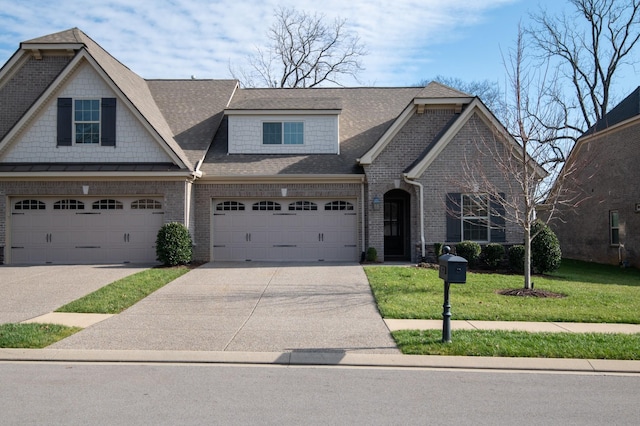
(304, 51)
(590, 47)
(529, 155)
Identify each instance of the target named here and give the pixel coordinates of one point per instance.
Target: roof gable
(452, 129)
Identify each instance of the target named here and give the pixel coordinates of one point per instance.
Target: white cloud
(180, 38)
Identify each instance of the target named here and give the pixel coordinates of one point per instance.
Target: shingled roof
(365, 114)
(628, 108)
(184, 113)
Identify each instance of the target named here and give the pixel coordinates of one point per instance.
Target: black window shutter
(108, 122)
(65, 121)
(498, 234)
(454, 229)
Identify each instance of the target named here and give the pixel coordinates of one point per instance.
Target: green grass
(33, 336)
(119, 295)
(520, 344)
(594, 293)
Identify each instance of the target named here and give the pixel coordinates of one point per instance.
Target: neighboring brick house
(604, 226)
(94, 159)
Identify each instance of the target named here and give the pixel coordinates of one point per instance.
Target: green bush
(173, 245)
(470, 250)
(437, 250)
(545, 249)
(516, 258)
(372, 254)
(493, 254)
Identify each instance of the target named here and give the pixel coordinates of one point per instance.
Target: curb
(334, 358)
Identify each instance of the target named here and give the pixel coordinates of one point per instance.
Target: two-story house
(94, 159)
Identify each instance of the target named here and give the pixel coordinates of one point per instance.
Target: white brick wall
(320, 135)
(38, 142)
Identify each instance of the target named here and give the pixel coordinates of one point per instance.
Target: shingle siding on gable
(320, 135)
(26, 86)
(38, 142)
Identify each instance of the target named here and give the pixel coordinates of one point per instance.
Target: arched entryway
(397, 229)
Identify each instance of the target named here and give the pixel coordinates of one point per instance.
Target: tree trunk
(527, 259)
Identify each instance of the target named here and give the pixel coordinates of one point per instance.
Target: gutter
(421, 188)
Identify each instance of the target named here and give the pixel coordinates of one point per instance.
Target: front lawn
(594, 293)
(33, 336)
(119, 295)
(520, 344)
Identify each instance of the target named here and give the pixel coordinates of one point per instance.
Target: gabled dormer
(283, 121)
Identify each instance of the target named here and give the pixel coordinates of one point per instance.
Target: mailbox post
(453, 270)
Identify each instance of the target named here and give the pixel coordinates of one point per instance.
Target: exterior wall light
(376, 202)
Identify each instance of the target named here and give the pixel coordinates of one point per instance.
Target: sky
(407, 43)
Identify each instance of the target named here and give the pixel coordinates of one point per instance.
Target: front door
(396, 225)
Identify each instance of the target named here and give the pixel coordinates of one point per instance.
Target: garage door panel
(67, 234)
(284, 235)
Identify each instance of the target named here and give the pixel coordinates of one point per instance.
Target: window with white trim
(303, 205)
(614, 228)
(86, 121)
(68, 204)
(107, 204)
(230, 206)
(283, 133)
(266, 206)
(338, 205)
(475, 217)
(146, 204)
(30, 205)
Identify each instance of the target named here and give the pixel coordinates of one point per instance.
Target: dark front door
(396, 225)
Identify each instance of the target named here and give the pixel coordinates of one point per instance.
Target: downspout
(188, 186)
(421, 188)
(362, 221)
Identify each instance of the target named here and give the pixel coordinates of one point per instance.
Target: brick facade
(606, 179)
(443, 176)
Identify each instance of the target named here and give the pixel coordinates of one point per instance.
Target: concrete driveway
(250, 307)
(31, 291)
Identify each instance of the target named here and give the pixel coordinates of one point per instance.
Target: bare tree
(304, 51)
(591, 46)
(488, 91)
(527, 157)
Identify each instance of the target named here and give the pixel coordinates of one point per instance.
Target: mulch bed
(529, 292)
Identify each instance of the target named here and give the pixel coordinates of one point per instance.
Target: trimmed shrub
(516, 258)
(470, 250)
(493, 254)
(173, 245)
(372, 254)
(545, 249)
(437, 250)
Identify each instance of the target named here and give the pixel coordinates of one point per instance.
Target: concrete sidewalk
(334, 358)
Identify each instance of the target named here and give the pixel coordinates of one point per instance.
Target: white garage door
(291, 230)
(84, 229)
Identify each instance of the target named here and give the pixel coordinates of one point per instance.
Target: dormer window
(283, 133)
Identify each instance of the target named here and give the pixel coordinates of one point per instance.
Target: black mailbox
(453, 269)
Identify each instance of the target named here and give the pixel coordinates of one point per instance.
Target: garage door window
(230, 206)
(267, 206)
(30, 205)
(303, 205)
(107, 205)
(68, 205)
(146, 204)
(338, 205)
